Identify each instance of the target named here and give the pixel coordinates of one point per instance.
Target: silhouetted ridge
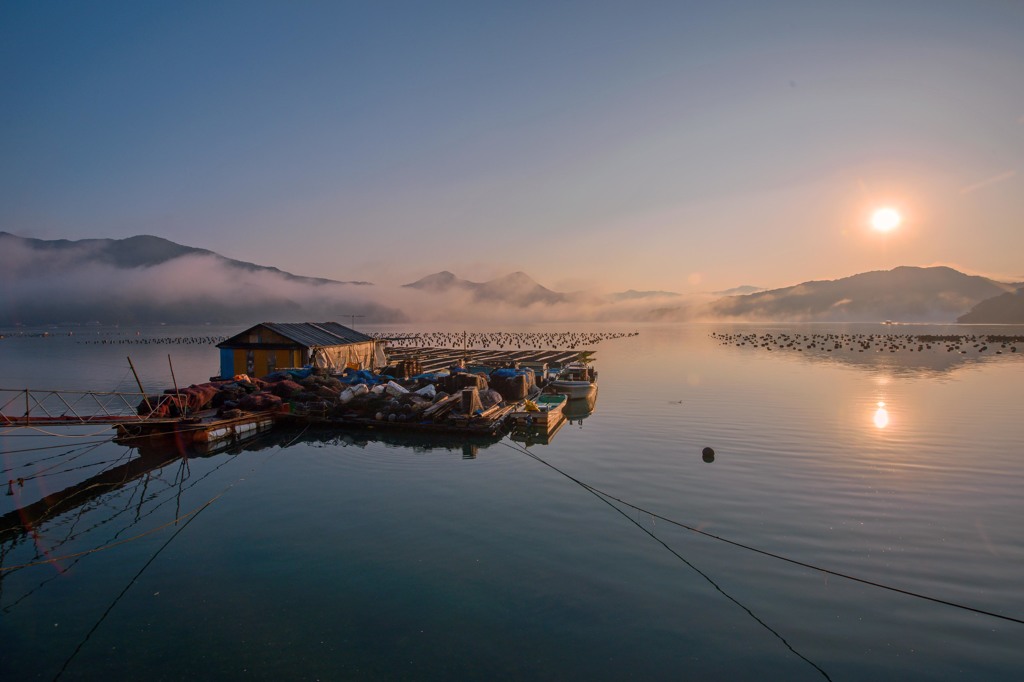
(1006, 308)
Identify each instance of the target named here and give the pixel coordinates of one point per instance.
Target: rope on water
(49, 470)
(192, 517)
(176, 520)
(764, 552)
(64, 557)
(13, 427)
(717, 587)
(54, 447)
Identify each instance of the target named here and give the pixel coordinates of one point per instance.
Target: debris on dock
(421, 389)
(349, 380)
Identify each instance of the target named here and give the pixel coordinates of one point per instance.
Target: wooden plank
(433, 359)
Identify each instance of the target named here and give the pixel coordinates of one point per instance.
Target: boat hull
(573, 389)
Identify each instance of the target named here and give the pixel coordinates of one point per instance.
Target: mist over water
(339, 555)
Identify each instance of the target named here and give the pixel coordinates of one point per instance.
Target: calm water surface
(337, 556)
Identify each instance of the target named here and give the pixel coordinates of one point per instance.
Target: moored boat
(576, 380)
(545, 409)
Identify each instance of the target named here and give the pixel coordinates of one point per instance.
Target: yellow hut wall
(266, 361)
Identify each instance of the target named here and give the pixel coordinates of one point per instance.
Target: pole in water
(145, 399)
(174, 380)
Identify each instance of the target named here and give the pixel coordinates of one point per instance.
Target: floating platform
(204, 427)
(432, 359)
(491, 423)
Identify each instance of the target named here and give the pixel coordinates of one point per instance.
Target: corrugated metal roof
(310, 334)
(317, 333)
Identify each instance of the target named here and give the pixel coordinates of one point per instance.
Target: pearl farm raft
(327, 376)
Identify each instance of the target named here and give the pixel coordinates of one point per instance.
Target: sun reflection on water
(881, 417)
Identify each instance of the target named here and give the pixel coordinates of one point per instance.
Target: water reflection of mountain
(920, 355)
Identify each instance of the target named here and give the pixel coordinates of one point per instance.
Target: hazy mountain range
(517, 288)
(905, 294)
(150, 279)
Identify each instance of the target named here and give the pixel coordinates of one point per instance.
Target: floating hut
(270, 346)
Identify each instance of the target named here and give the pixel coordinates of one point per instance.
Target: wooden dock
(433, 359)
(204, 427)
(490, 424)
(122, 409)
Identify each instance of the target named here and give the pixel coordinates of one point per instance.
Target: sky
(679, 146)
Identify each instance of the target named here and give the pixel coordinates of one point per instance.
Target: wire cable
(706, 577)
(766, 553)
(131, 582)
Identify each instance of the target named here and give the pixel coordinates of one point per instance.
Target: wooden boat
(576, 380)
(546, 409)
(530, 435)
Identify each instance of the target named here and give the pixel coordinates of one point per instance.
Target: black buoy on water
(709, 454)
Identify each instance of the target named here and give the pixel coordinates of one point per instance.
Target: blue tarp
(431, 377)
(290, 374)
(359, 376)
(509, 372)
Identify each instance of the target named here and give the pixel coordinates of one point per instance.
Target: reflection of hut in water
(270, 346)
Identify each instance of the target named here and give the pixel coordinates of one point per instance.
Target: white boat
(578, 409)
(576, 380)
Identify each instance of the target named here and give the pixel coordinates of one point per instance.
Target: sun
(886, 219)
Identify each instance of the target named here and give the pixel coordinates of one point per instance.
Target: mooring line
(773, 555)
(679, 556)
(43, 433)
(188, 517)
(131, 582)
(48, 471)
(53, 447)
(708, 578)
(63, 557)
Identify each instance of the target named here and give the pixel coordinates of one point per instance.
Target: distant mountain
(440, 282)
(1005, 308)
(739, 291)
(140, 252)
(905, 294)
(150, 279)
(634, 295)
(517, 289)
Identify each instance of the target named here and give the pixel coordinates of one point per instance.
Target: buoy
(708, 454)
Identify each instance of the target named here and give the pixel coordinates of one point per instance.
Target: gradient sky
(679, 146)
